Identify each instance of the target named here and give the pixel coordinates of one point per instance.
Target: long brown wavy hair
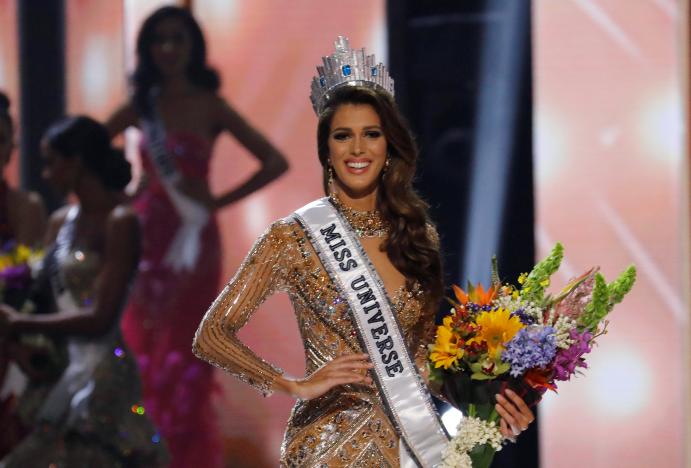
(411, 246)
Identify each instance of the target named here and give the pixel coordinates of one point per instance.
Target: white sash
(63, 244)
(184, 250)
(404, 394)
(70, 394)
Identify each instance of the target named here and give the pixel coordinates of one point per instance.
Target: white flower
(512, 305)
(562, 331)
(454, 459)
(508, 303)
(471, 432)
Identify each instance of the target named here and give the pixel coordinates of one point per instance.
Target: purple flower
(568, 360)
(9, 246)
(16, 277)
(532, 347)
(523, 317)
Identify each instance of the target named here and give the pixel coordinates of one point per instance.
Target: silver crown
(347, 67)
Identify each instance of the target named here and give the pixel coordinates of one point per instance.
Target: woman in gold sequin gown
(368, 157)
(92, 416)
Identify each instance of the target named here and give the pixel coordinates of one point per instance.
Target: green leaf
(481, 376)
(501, 368)
(532, 289)
(495, 272)
(596, 309)
(435, 374)
(621, 286)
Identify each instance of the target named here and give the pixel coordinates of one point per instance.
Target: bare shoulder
(27, 201)
(216, 101)
(34, 200)
(57, 218)
(123, 219)
(123, 117)
(224, 111)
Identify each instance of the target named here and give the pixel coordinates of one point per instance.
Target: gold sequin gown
(348, 426)
(91, 417)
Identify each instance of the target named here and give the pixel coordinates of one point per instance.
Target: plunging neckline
(392, 294)
(359, 222)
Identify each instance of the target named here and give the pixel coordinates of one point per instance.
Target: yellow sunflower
(6, 261)
(497, 327)
(445, 351)
(22, 254)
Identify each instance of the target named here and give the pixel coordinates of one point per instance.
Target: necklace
(365, 223)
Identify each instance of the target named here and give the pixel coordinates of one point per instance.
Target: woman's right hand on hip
(346, 369)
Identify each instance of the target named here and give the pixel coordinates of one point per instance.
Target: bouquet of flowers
(39, 356)
(515, 337)
(16, 262)
(15, 273)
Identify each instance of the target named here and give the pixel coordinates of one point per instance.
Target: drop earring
(386, 166)
(330, 180)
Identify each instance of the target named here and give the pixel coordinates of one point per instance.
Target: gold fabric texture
(348, 426)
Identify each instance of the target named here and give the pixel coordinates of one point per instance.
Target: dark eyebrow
(348, 129)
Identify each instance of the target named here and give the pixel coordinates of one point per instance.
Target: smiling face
(171, 47)
(357, 149)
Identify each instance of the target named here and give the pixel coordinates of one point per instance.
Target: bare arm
(120, 259)
(273, 162)
(124, 117)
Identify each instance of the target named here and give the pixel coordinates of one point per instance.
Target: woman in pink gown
(175, 103)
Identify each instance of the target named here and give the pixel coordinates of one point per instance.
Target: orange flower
(539, 379)
(475, 294)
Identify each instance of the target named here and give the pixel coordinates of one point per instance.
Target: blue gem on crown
(347, 66)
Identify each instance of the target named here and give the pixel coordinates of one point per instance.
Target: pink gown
(165, 309)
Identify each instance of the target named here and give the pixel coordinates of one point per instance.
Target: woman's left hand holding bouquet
(23, 354)
(515, 414)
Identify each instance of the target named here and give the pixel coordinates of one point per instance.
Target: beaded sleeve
(263, 272)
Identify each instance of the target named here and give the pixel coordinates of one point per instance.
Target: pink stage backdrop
(9, 73)
(266, 52)
(94, 57)
(609, 186)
